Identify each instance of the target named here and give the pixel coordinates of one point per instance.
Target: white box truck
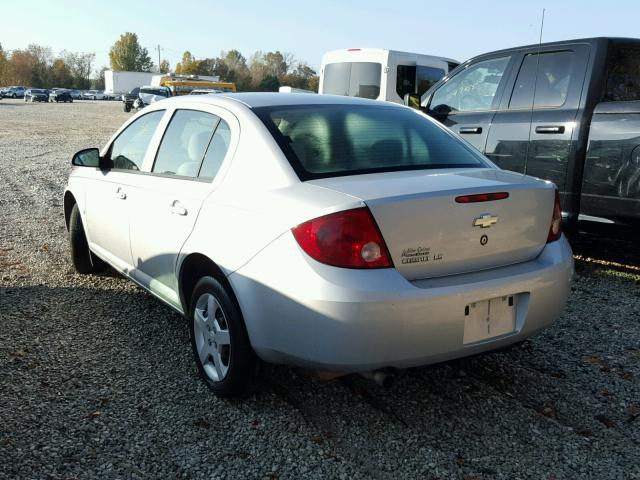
(380, 74)
(124, 82)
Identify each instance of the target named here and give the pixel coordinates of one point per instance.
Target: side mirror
(412, 100)
(89, 157)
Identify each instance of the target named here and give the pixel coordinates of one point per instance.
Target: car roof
(272, 99)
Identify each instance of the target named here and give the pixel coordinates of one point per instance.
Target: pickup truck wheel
(226, 362)
(83, 260)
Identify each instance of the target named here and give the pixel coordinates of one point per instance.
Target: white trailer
(380, 74)
(124, 82)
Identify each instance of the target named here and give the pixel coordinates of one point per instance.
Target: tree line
(37, 66)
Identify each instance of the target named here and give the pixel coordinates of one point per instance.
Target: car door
(533, 129)
(109, 193)
(467, 101)
(169, 197)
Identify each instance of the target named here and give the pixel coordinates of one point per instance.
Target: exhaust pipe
(380, 377)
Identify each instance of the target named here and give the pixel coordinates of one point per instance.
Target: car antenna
(535, 85)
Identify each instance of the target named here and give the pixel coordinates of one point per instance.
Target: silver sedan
(333, 233)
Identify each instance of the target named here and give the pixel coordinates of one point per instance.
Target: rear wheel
(83, 260)
(127, 107)
(220, 343)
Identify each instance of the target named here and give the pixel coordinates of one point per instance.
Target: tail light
(556, 221)
(349, 239)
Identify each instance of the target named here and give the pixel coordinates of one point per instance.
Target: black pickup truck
(566, 111)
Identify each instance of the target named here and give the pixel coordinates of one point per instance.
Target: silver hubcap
(212, 337)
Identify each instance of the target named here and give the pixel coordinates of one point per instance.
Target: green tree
(60, 75)
(80, 65)
(3, 66)
(269, 83)
(164, 66)
(128, 55)
(98, 82)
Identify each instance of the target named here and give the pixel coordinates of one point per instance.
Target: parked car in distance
(14, 92)
(146, 96)
(129, 98)
(75, 94)
(93, 95)
(564, 111)
(60, 95)
(393, 244)
(36, 95)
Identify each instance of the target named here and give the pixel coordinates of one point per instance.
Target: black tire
(127, 108)
(83, 260)
(14, 96)
(242, 361)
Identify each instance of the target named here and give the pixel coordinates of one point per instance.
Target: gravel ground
(97, 377)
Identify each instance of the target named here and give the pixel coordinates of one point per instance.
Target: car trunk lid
(430, 234)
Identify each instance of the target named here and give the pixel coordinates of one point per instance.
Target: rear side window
(128, 150)
(216, 151)
(623, 74)
(185, 143)
(547, 76)
(333, 140)
(471, 90)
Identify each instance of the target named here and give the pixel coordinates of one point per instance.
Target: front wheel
(83, 260)
(226, 362)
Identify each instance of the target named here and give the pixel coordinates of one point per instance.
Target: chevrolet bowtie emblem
(485, 221)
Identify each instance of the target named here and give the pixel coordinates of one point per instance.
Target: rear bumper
(301, 312)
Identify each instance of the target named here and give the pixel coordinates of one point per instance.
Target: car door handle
(464, 130)
(178, 209)
(120, 194)
(550, 129)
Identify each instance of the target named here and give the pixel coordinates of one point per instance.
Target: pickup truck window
(471, 90)
(623, 75)
(553, 72)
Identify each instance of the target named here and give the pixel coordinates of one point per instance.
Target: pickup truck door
(467, 101)
(533, 130)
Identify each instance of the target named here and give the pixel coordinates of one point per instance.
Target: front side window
(184, 143)
(352, 79)
(332, 140)
(128, 150)
(473, 89)
(547, 76)
(623, 74)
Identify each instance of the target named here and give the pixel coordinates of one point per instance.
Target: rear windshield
(352, 79)
(333, 140)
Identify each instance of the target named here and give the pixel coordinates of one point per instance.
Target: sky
(456, 29)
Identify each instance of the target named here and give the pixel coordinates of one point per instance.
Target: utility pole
(159, 59)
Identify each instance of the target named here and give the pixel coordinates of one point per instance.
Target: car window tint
(426, 77)
(623, 75)
(471, 90)
(549, 74)
(330, 140)
(185, 142)
(128, 150)
(216, 152)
